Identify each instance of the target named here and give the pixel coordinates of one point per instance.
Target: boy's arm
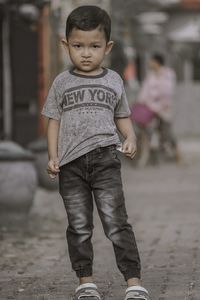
(52, 139)
(124, 125)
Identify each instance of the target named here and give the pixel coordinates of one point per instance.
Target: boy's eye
(96, 46)
(77, 46)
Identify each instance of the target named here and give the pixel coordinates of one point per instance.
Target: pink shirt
(157, 92)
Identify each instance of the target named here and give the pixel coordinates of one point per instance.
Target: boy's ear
(109, 47)
(65, 44)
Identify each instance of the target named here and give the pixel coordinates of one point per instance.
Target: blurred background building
(29, 60)
(31, 55)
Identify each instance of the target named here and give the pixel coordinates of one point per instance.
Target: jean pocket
(113, 152)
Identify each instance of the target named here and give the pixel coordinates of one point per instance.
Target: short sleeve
(122, 109)
(52, 108)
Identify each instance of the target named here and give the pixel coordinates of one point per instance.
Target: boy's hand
(129, 147)
(53, 168)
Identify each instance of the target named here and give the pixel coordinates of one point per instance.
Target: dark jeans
(97, 175)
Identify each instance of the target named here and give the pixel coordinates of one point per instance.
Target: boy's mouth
(86, 62)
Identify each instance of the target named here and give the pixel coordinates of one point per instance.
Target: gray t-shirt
(86, 107)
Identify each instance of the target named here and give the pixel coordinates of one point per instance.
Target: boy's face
(87, 49)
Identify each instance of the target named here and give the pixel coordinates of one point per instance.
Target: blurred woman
(157, 93)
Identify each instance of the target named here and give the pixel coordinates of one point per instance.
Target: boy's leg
(77, 197)
(109, 198)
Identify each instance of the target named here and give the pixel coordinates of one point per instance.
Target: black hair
(159, 58)
(88, 17)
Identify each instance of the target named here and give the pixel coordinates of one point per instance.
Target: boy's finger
(133, 154)
(50, 165)
(53, 167)
(130, 149)
(52, 175)
(126, 148)
(134, 150)
(57, 167)
(50, 171)
(55, 171)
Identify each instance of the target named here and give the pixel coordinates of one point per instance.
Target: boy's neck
(95, 72)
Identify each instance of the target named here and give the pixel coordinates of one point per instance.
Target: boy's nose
(86, 53)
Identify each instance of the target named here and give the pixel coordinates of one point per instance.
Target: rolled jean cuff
(84, 272)
(132, 274)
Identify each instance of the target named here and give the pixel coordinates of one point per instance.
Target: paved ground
(164, 207)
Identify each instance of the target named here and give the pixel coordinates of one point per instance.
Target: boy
(85, 106)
